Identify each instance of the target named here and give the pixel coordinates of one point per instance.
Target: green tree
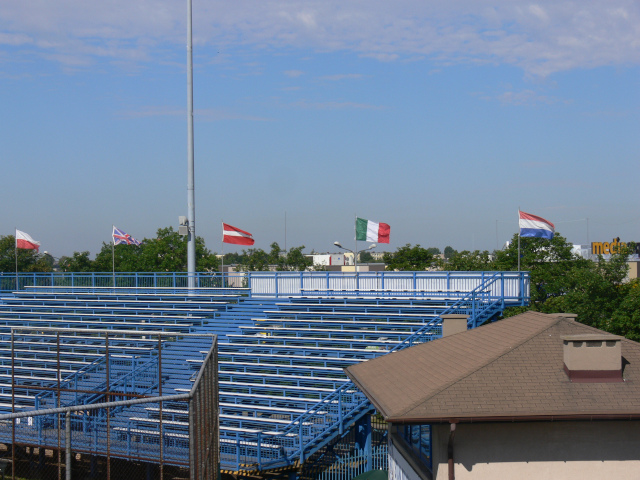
(548, 262)
(296, 261)
(277, 257)
(165, 253)
(28, 260)
(409, 258)
(625, 319)
(365, 257)
(233, 258)
(448, 251)
(595, 291)
(467, 261)
(257, 260)
(78, 262)
(126, 258)
(434, 251)
(254, 260)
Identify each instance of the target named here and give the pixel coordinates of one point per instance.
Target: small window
(577, 344)
(611, 343)
(594, 343)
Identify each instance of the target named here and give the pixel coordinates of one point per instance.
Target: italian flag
(368, 231)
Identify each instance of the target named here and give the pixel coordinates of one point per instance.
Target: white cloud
(543, 37)
(525, 97)
(293, 73)
(206, 114)
(341, 76)
(334, 105)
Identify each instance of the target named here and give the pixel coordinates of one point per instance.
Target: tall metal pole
(355, 251)
(191, 213)
(518, 239)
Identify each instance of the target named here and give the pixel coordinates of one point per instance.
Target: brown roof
(511, 369)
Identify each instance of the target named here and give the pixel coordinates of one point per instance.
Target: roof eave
(515, 418)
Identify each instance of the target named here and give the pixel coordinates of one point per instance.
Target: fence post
(67, 445)
(259, 450)
(301, 443)
(341, 427)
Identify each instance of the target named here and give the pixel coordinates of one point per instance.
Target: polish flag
(24, 240)
(235, 235)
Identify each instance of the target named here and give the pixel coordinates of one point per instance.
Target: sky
(441, 119)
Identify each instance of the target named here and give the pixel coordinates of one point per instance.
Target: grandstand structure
(283, 340)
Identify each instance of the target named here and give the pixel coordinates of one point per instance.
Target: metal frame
(107, 436)
(254, 443)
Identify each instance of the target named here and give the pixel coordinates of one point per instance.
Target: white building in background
(583, 251)
(328, 259)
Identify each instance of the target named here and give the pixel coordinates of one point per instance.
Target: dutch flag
(534, 226)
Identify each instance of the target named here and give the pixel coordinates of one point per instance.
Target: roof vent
(593, 358)
(454, 323)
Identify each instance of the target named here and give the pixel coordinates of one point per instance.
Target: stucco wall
(536, 450)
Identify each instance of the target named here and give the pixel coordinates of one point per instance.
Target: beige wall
(634, 270)
(540, 450)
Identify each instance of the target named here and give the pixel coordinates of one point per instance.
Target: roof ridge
(483, 365)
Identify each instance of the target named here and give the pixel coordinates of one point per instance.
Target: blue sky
(440, 120)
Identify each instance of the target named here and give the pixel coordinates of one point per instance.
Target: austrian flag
(368, 231)
(235, 235)
(24, 240)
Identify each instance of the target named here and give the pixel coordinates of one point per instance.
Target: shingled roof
(508, 370)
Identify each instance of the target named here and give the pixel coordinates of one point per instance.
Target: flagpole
(518, 239)
(113, 255)
(15, 248)
(355, 252)
(222, 265)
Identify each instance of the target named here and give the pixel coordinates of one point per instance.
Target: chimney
(593, 358)
(454, 323)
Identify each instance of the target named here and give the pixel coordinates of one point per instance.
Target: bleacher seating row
(277, 357)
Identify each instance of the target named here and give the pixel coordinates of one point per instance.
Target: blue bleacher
(280, 359)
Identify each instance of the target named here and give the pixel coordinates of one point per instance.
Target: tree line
(560, 281)
(167, 252)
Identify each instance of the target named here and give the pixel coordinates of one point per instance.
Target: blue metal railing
(513, 287)
(314, 428)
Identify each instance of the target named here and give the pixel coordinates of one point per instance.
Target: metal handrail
(358, 400)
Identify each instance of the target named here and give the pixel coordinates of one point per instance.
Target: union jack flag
(121, 238)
